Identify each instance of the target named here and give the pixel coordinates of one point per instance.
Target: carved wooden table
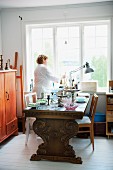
(56, 128)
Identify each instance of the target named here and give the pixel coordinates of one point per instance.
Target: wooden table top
(58, 112)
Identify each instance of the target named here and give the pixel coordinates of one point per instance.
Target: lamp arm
(70, 73)
(77, 69)
(81, 67)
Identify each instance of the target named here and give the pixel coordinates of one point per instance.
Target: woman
(43, 77)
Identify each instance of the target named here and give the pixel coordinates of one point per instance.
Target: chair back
(93, 107)
(29, 97)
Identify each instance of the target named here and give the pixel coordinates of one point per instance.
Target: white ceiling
(36, 3)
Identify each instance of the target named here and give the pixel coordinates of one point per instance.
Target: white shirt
(42, 79)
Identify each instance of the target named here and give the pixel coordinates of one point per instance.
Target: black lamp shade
(88, 68)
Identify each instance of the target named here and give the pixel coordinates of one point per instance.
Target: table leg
(56, 134)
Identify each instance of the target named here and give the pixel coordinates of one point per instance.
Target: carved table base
(55, 134)
(75, 160)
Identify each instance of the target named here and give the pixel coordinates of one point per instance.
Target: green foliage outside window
(100, 70)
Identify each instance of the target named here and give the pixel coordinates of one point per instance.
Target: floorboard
(14, 155)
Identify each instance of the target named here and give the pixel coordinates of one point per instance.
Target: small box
(100, 117)
(89, 86)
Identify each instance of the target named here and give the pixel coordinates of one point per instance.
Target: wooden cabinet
(2, 108)
(109, 114)
(8, 119)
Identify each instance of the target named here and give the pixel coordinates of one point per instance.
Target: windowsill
(97, 92)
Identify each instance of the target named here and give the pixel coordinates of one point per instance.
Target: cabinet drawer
(109, 119)
(11, 126)
(109, 114)
(109, 107)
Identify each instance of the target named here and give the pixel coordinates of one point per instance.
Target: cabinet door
(10, 96)
(2, 108)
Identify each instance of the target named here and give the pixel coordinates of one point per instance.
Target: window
(42, 43)
(70, 46)
(96, 51)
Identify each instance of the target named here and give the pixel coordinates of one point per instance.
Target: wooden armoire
(8, 119)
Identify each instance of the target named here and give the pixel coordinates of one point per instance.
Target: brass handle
(7, 95)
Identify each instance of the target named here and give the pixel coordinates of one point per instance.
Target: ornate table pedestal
(55, 128)
(56, 134)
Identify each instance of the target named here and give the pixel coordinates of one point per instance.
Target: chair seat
(84, 120)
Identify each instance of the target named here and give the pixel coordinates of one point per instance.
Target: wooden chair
(29, 97)
(86, 124)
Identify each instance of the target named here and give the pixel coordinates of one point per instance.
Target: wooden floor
(14, 155)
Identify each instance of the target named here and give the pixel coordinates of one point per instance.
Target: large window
(96, 51)
(70, 46)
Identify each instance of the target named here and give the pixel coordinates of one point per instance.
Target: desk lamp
(88, 70)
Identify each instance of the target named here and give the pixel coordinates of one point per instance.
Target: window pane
(42, 43)
(101, 42)
(47, 33)
(37, 33)
(68, 49)
(89, 31)
(101, 30)
(96, 52)
(89, 42)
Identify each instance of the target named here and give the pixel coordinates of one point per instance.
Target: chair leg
(27, 130)
(92, 137)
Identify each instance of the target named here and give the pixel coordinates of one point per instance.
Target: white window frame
(54, 25)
